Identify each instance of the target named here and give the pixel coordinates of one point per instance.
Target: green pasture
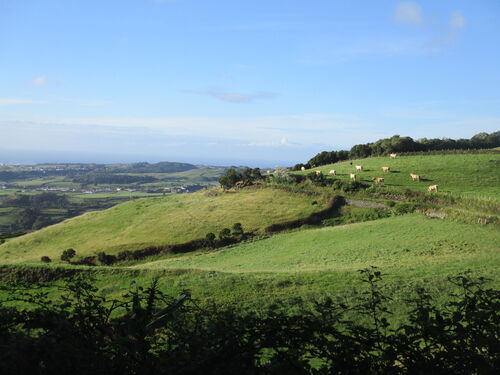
(468, 175)
(410, 244)
(162, 220)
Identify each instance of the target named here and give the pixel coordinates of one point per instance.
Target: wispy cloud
(39, 81)
(20, 101)
(408, 12)
(234, 97)
(457, 21)
(456, 24)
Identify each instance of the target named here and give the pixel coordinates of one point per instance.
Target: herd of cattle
(378, 180)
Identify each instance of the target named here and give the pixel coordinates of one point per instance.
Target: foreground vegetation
(146, 331)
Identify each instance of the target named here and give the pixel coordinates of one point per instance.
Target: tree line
(398, 144)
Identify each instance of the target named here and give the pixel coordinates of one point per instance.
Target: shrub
(224, 234)
(404, 208)
(148, 332)
(106, 259)
(67, 255)
(45, 259)
(237, 231)
(210, 240)
(282, 176)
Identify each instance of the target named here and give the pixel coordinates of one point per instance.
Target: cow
(359, 167)
(415, 177)
(353, 176)
(386, 169)
(333, 172)
(393, 156)
(433, 188)
(302, 168)
(318, 172)
(378, 180)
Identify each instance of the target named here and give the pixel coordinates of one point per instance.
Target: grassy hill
(397, 244)
(162, 220)
(469, 175)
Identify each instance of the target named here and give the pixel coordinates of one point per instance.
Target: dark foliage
(234, 178)
(45, 259)
(148, 332)
(398, 144)
(68, 254)
(106, 259)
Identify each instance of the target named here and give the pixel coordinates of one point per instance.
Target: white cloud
(408, 12)
(39, 81)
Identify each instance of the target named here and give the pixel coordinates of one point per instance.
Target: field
(419, 243)
(294, 266)
(162, 220)
(467, 175)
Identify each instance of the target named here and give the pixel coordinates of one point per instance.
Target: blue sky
(258, 82)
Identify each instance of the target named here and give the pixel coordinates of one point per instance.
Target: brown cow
(415, 177)
(433, 188)
(378, 180)
(386, 169)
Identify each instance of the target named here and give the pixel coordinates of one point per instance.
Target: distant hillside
(163, 220)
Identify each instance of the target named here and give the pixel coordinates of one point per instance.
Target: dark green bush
(45, 259)
(68, 254)
(148, 332)
(404, 208)
(106, 259)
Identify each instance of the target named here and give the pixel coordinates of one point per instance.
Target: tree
(210, 239)
(105, 258)
(67, 255)
(224, 234)
(230, 178)
(237, 231)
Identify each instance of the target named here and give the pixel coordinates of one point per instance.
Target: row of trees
(398, 144)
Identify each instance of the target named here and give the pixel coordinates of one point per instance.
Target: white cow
(333, 172)
(359, 168)
(393, 156)
(353, 176)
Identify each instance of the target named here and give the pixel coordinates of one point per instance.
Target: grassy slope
(318, 262)
(411, 243)
(162, 220)
(466, 174)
